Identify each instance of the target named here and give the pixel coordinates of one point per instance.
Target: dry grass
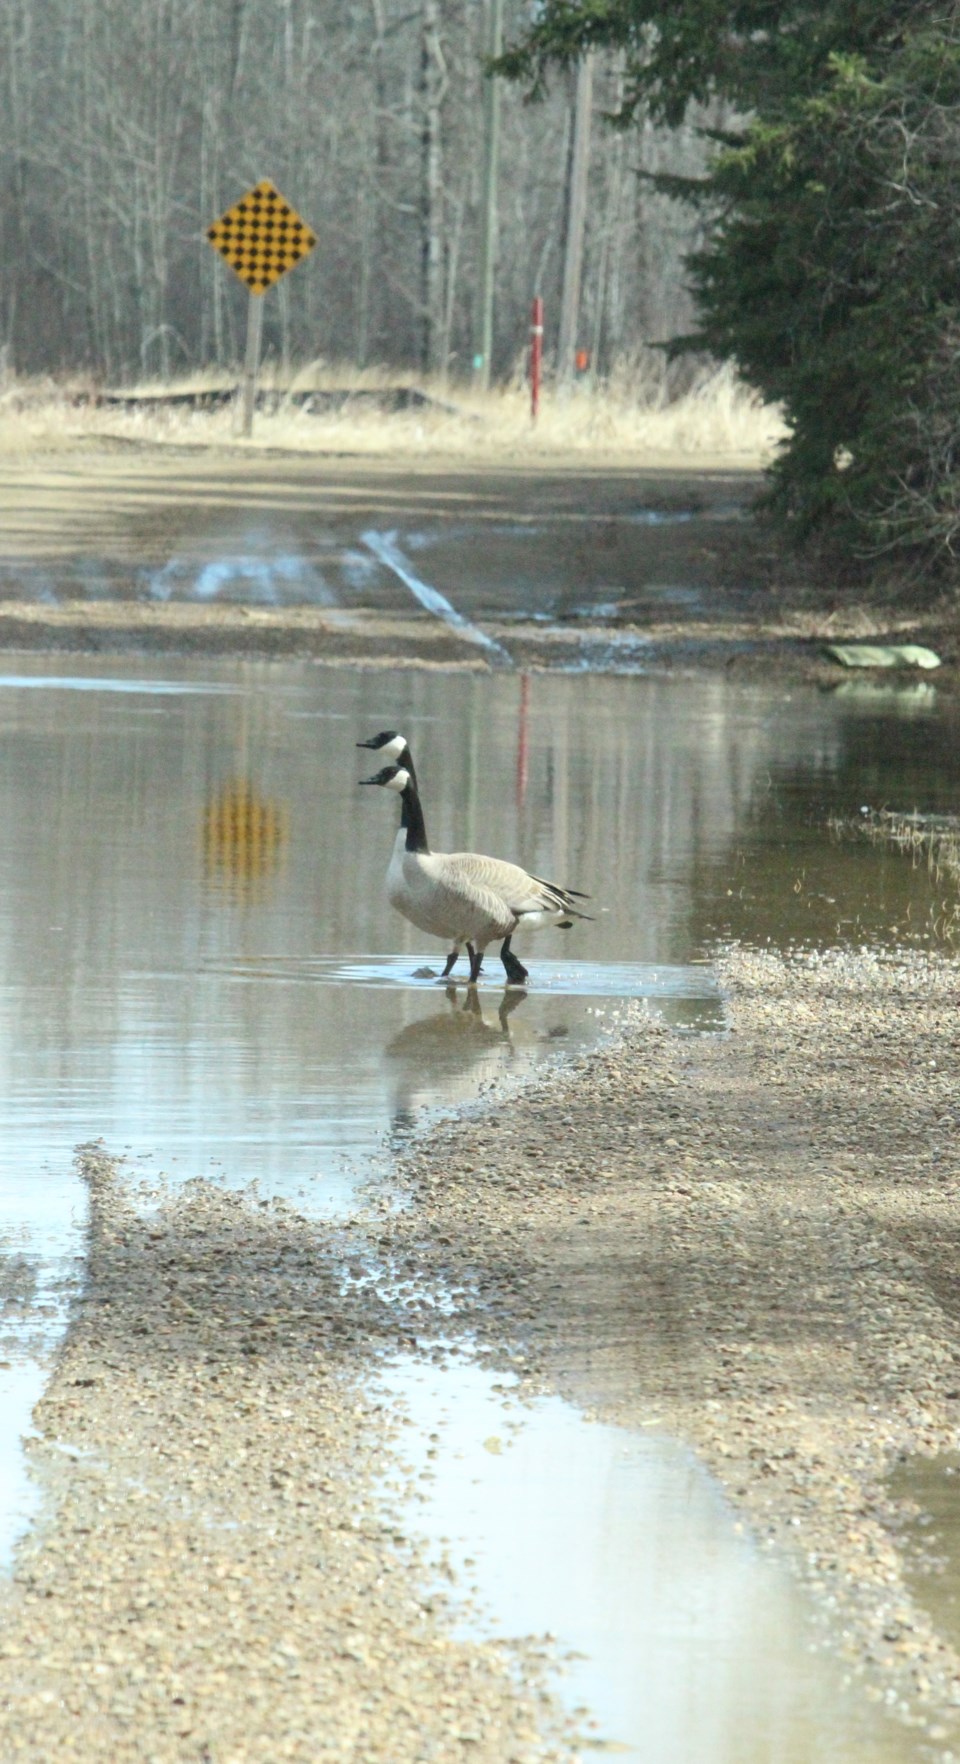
(636, 413)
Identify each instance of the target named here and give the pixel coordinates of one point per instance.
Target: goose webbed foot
(516, 972)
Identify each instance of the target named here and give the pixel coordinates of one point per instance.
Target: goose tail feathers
(561, 900)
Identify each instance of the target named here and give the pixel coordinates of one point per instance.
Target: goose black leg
(451, 960)
(516, 972)
(475, 960)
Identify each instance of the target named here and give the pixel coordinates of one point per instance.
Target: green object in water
(883, 655)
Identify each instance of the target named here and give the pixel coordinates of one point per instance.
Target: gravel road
(747, 1241)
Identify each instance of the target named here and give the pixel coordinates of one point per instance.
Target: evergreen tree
(832, 271)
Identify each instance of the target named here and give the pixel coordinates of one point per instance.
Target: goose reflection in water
(449, 1056)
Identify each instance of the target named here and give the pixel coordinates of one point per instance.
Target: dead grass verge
(634, 412)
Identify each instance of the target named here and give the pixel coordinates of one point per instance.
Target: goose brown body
(470, 898)
(465, 897)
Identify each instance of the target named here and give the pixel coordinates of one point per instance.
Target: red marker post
(536, 356)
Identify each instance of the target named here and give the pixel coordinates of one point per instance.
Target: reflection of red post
(523, 739)
(536, 356)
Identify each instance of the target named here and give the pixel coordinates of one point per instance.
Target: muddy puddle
(198, 965)
(673, 1636)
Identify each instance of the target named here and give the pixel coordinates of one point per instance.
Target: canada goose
(393, 746)
(462, 895)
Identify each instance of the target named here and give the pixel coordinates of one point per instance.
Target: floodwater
(198, 964)
(197, 960)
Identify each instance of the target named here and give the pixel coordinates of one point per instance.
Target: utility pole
(576, 221)
(483, 338)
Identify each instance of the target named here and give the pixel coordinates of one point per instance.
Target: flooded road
(198, 963)
(266, 529)
(198, 959)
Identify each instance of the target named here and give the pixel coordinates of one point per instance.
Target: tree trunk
(576, 220)
(432, 83)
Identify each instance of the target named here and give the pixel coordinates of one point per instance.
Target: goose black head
(391, 745)
(388, 742)
(391, 777)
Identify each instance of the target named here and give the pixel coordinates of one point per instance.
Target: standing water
(198, 963)
(675, 1638)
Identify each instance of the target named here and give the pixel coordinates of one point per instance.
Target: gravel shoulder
(749, 1242)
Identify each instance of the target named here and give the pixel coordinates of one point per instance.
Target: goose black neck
(411, 819)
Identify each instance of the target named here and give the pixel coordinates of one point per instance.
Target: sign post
(261, 237)
(251, 361)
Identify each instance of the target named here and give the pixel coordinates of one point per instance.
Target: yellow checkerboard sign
(261, 237)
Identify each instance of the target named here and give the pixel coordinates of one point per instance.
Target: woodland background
(127, 126)
(779, 192)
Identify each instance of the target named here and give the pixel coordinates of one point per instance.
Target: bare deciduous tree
(126, 126)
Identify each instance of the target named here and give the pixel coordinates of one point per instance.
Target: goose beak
(388, 775)
(372, 743)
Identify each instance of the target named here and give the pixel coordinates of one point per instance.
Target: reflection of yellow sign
(261, 237)
(243, 835)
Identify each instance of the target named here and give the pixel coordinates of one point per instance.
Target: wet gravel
(751, 1243)
(219, 1575)
(748, 1241)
